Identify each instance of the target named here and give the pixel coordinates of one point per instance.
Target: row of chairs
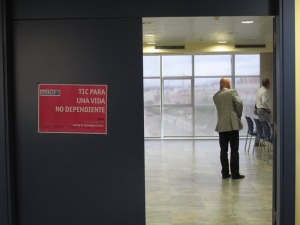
(263, 134)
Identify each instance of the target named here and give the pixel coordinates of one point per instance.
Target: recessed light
(149, 35)
(222, 42)
(151, 43)
(247, 21)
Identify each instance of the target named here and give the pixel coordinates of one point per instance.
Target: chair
(250, 133)
(268, 137)
(259, 135)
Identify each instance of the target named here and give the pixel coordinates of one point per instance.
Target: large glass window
(151, 66)
(247, 81)
(247, 65)
(152, 92)
(152, 108)
(177, 117)
(174, 66)
(152, 96)
(247, 88)
(177, 121)
(213, 65)
(152, 121)
(178, 91)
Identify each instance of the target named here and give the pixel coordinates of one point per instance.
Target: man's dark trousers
(231, 137)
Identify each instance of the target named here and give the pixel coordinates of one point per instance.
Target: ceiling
(182, 30)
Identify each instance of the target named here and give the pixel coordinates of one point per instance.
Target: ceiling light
(247, 21)
(149, 35)
(222, 42)
(151, 43)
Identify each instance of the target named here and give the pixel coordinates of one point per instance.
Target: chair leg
(261, 146)
(270, 149)
(249, 143)
(246, 142)
(267, 151)
(253, 149)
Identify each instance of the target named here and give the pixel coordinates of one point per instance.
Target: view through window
(179, 89)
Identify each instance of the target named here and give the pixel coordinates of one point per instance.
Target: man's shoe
(238, 177)
(226, 176)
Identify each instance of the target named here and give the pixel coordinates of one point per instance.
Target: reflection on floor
(184, 186)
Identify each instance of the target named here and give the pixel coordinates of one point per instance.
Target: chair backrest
(259, 130)
(266, 131)
(250, 125)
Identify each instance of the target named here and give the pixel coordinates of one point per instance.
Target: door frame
(284, 208)
(284, 172)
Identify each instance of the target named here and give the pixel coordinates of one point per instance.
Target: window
(151, 66)
(247, 81)
(174, 66)
(152, 96)
(247, 65)
(213, 65)
(178, 91)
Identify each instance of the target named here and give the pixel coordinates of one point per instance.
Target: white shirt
(263, 98)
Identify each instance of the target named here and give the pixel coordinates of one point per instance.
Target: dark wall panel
(88, 179)
(287, 114)
(32, 9)
(73, 178)
(3, 168)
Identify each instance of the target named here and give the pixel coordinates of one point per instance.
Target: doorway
(166, 38)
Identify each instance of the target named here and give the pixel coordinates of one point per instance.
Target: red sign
(67, 108)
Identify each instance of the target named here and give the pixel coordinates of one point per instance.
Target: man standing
(263, 101)
(229, 108)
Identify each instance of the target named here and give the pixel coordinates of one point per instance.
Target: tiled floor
(184, 186)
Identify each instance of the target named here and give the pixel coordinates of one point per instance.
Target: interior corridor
(184, 185)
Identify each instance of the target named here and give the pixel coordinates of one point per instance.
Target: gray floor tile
(184, 186)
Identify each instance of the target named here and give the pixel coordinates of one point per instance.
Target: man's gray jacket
(229, 108)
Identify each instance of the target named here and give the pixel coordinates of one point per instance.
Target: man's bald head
(224, 83)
